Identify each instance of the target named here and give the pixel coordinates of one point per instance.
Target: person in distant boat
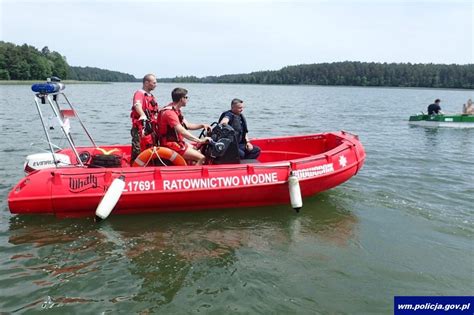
(173, 128)
(236, 120)
(144, 117)
(435, 109)
(467, 108)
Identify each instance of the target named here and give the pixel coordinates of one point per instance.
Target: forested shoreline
(353, 73)
(28, 63)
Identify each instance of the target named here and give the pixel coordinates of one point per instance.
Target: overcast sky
(193, 37)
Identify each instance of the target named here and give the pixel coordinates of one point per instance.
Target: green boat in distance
(452, 121)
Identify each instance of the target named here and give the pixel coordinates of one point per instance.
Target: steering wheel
(202, 133)
(204, 130)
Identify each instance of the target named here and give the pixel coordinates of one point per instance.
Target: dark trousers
(246, 154)
(135, 144)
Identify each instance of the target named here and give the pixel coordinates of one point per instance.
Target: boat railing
(344, 132)
(50, 93)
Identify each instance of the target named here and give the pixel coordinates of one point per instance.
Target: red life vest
(166, 132)
(149, 106)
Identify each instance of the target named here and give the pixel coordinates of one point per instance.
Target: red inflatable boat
(73, 182)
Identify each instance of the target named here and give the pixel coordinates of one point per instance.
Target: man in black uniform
(435, 109)
(236, 120)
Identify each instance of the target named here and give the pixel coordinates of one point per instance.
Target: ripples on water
(167, 260)
(402, 226)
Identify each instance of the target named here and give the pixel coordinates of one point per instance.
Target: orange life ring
(159, 152)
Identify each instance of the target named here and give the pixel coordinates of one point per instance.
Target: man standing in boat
(144, 117)
(173, 128)
(435, 109)
(236, 120)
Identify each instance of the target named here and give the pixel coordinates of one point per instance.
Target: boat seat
(249, 161)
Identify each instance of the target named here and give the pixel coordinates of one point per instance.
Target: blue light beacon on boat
(51, 86)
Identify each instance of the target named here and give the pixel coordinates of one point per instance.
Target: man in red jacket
(173, 128)
(144, 117)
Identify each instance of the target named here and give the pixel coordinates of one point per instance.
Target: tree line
(28, 63)
(96, 74)
(353, 73)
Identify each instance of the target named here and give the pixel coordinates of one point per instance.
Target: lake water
(404, 225)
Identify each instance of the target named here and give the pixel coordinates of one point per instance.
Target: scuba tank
(223, 149)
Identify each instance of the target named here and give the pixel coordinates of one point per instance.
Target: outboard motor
(223, 149)
(41, 161)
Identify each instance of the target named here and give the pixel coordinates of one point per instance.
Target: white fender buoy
(110, 198)
(295, 192)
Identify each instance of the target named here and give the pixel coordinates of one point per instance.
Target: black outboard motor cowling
(224, 147)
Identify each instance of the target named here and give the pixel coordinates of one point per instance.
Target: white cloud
(196, 37)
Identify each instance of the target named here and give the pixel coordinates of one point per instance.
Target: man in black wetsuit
(435, 109)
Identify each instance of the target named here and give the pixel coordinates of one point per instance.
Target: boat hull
(445, 121)
(76, 191)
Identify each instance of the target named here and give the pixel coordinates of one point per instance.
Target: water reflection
(457, 141)
(431, 136)
(154, 257)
